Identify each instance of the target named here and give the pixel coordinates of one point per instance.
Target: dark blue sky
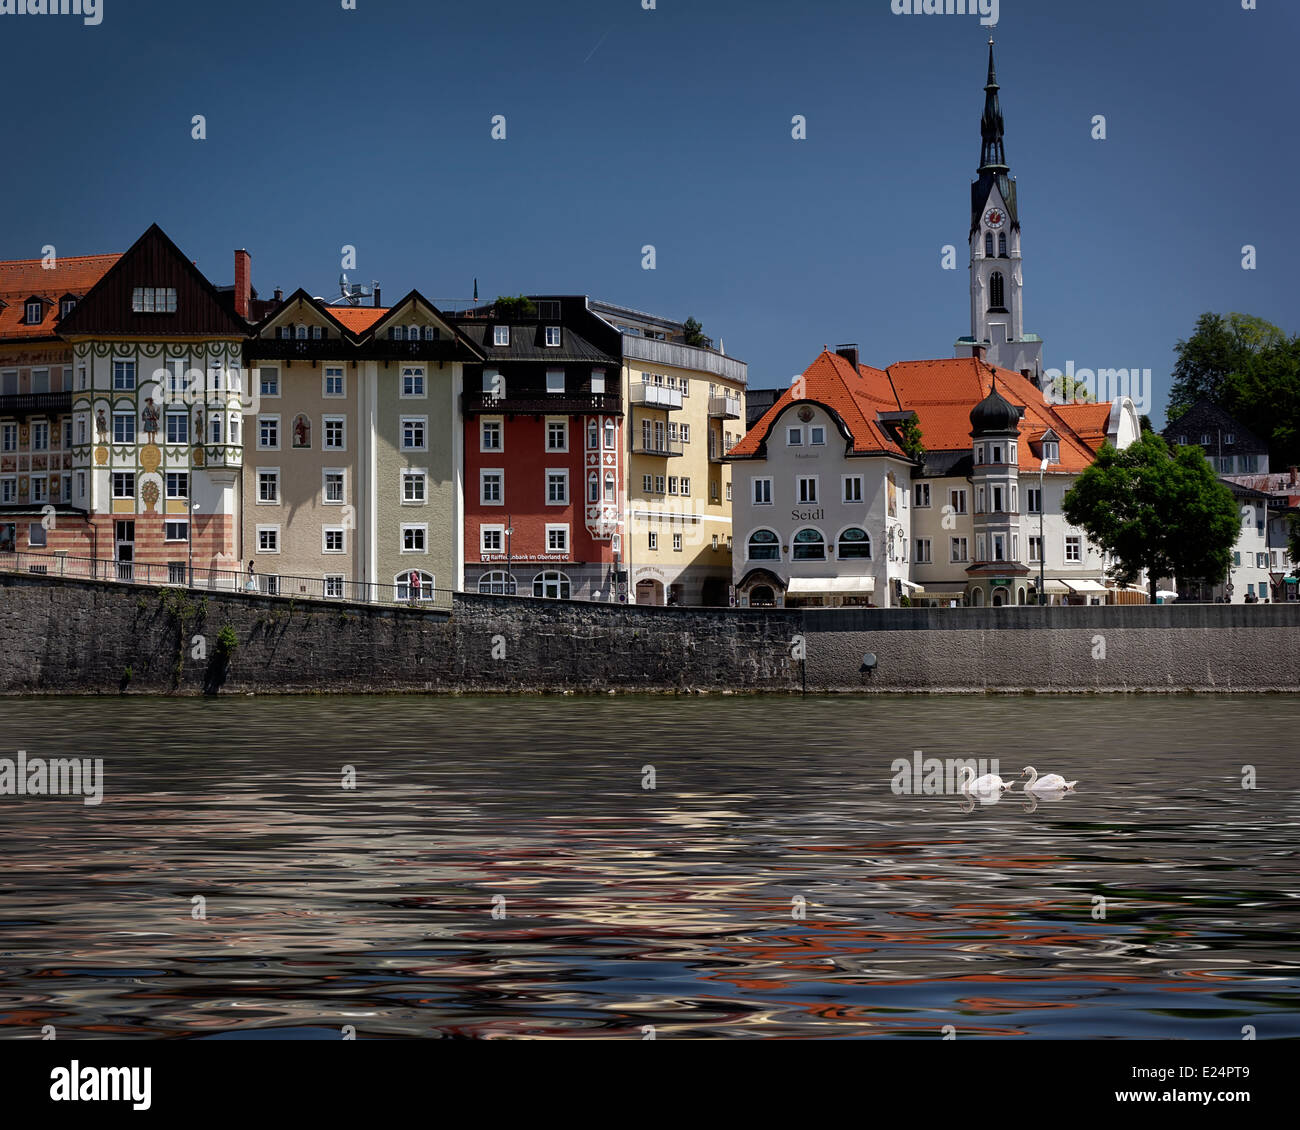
(673, 127)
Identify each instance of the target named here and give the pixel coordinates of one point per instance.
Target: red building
(544, 451)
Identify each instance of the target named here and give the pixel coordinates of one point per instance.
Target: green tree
(694, 333)
(517, 309)
(1069, 390)
(1293, 543)
(1159, 509)
(911, 440)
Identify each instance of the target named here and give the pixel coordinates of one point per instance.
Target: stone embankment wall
(78, 637)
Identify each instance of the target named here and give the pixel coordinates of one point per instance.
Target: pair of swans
(992, 785)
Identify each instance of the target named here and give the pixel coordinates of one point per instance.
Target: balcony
(36, 404)
(542, 404)
(657, 396)
(718, 452)
(657, 446)
(724, 407)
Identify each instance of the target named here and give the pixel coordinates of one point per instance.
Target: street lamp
(510, 573)
(189, 528)
(1042, 541)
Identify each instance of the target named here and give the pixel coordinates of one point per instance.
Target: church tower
(996, 271)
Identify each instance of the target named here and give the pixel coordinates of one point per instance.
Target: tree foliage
(694, 333)
(517, 309)
(1251, 369)
(1159, 509)
(911, 440)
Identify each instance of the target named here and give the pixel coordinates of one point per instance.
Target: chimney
(377, 296)
(243, 282)
(849, 353)
(279, 295)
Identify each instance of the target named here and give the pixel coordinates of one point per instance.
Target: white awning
(912, 585)
(1086, 586)
(799, 585)
(1056, 588)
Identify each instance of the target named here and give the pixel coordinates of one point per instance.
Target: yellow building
(685, 409)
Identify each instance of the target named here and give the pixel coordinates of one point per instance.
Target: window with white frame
(176, 529)
(728, 491)
(8, 437)
(123, 484)
(335, 383)
(268, 485)
(332, 486)
(40, 435)
(806, 489)
(552, 336)
(9, 489)
(554, 380)
(415, 538)
(686, 433)
(652, 540)
(659, 484)
(672, 484)
(178, 427)
(557, 487)
(123, 376)
(959, 549)
(268, 433)
(335, 434)
(597, 380)
(852, 488)
(817, 436)
(334, 586)
(492, 539)
(490, 435)
(268, 539)
(39, 488)
(414, 430)
(124, 427)
(686, 486)
(922, 495)
(1034, 500)
(500, 335)
(794, 437)
(1073, 547)
(677, 543)
(332, 539)
(413, 382)
(1035, 548)
(557, 435)
(557, 539)
(647, 483)
(269, 381)
(178, 484)
(491, 487)
(153, 300)
(924, 550)
(957, 500)
(414, 491)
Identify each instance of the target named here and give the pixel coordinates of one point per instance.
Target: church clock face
(995, 218)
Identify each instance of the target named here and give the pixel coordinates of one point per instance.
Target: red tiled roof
(21, 279)
(942, 394)
(854, 395)
(358, 319)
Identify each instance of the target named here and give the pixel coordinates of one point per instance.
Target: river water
(500, 870)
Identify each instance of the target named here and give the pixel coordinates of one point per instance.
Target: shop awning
(912, 586)
(1085, 586)
(822, 585)
(1056, 588)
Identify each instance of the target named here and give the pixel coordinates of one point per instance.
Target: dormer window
(552, 336)
(153, 300)
(500, 335)
(1052, 450)
(67, 306)
(35, 312)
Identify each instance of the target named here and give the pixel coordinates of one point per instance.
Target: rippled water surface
(619, 906)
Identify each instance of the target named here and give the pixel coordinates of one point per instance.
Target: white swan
(989, 783)
(1051, 783)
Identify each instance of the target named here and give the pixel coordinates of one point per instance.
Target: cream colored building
(685, 410)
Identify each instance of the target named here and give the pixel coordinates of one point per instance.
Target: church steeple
(993, 157)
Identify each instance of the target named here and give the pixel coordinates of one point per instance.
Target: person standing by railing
(415, 586)
(252, 579)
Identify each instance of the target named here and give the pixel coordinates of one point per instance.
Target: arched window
(301, 333)
(496, 584)
(407, 591)
(593, 436)
(552, 586)
(216, 429)
(609, 486)
(764, 545)
(593, 487)
(609, 435)
(413, 334)
(988, 245)
(855, 544)
(809, 545)
(997, 291)
(1002, 244)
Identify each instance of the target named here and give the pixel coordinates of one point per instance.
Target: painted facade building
(544, 453)
(686, 410)
(42, 496)
(156, 412)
